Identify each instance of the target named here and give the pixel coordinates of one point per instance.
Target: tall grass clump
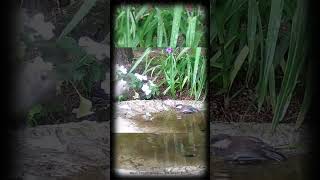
(261, 43)
(159, 26)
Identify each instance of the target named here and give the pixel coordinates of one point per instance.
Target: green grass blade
(141, 12)
(146, 52)
(238, 64)
(133, 29)
(296, 58)
(175, 25)
(184, 51)
(272, 88)
(251, 33)
(80, 14)
(195, 69)
(307, 97)
(271, 41)
(219, 53)
(160, 28)
(191, 32)
(128, 34)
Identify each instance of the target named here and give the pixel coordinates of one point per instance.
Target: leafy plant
(177, 70)
(136, 82)
(33, 115)
(82, 69)
(71, 62)
(39, 112)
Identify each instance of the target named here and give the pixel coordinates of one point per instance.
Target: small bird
(243, 149)
(186, 109)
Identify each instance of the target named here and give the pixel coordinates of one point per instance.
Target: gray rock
(64, 150)
(286, 137)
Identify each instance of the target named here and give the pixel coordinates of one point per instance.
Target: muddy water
(295, 168)
(178, 145)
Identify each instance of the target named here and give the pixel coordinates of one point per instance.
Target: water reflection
(171, 122)
(155, 152)
(294, 169)
(171, 142)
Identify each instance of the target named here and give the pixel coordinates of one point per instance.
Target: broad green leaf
(84, 108)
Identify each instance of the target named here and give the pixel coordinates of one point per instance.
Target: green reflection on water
(145, 151)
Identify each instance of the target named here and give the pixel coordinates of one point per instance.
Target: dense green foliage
(159, 26)
(263, 43)
(174, 70)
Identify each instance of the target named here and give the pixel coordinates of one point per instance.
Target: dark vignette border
(313, 29)
(9, 121)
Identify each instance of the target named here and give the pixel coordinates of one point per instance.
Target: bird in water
(186, 109)
(243, 149)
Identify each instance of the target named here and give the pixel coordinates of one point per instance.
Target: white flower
(152, 84)
(136, 95)
(140, 77)
(146, 89)
(121, 68)
(121, 87)
(123, 82)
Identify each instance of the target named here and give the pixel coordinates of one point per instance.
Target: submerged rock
(243, 149)
(285, 139)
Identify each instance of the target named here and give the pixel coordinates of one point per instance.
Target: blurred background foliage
(262, 44)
